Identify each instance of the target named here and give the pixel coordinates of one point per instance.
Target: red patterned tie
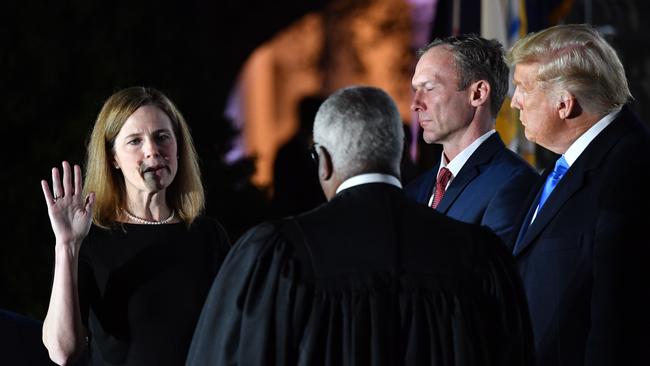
(444, 175)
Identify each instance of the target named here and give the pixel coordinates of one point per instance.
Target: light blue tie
(561, 166)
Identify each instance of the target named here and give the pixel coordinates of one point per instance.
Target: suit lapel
(427, 189)
(466, 175)
(574, 179)
(570, 183)
(470, 170)
(532, 204)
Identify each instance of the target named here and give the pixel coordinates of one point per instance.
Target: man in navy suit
(460, 84)
(582, 247)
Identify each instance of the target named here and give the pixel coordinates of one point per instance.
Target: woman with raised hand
(134, 256)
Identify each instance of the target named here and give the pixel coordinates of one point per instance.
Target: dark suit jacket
(584, 260)
(362, 280)
(489, 189)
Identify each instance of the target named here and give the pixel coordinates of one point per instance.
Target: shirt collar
(456, 164)
(369, 178)
(579, 145)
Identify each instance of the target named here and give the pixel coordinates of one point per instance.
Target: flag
(506, 21)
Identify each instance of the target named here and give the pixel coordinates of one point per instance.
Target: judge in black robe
(368, 278)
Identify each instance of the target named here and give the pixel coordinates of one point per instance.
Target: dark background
(60, 60)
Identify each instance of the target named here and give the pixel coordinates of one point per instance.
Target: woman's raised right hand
(70, 212)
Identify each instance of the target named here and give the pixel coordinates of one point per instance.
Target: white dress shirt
(369, 178)
(456, 164)
(578, 146)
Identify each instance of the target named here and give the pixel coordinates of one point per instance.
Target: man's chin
(429, 139)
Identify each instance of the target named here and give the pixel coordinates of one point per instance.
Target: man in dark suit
(368, 278)
(582, 247)
(460, 84)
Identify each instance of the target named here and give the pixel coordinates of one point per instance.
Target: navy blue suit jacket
(489, 190)
(585, 259)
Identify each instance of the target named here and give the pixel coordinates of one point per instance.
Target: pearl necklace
(139, 220)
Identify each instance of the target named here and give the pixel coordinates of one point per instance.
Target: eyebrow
(415, 85)
(526, 85)
(516, 81)
(422, 83)
(154, 132)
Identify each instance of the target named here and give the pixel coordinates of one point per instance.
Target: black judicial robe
(368, 278)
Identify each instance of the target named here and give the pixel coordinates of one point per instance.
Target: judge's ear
(480, 91)
(325, 166)
(567, 106)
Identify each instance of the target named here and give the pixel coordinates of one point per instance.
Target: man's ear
(480, 92)
(567, 106)
(325, 166)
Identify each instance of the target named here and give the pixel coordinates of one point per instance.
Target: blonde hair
(185, 194)
(576, 58)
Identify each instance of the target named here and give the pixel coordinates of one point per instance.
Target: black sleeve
(86, 283)
(237, 307)
(509, 325)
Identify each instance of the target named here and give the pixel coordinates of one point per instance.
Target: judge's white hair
(362, 130)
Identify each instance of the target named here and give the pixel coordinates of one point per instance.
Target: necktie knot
(561, 166)
(444, 175)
